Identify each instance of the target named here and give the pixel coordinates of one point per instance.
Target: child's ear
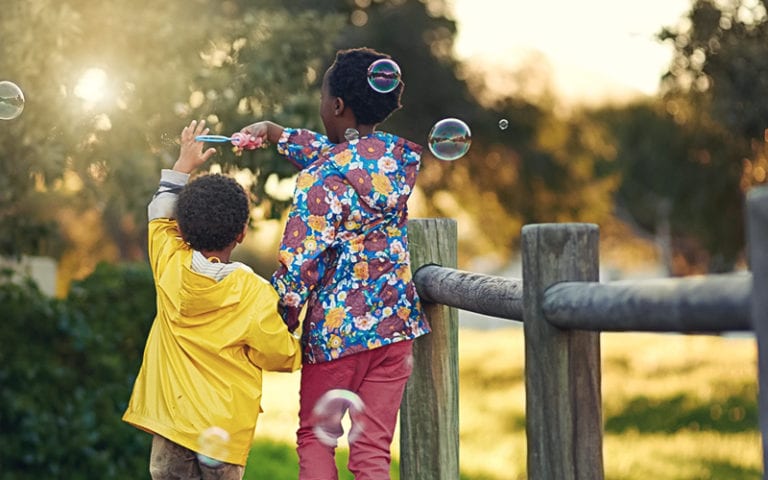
(241, 236)
(338, 106)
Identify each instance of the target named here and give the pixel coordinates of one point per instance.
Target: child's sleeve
(302, 147)
(271, 346)
(315, 217)
(163, 204)
(163, 235)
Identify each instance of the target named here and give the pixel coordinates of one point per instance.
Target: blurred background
(647, 119)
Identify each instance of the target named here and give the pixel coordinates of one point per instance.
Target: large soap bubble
(449, 139)
(328, 412)
(11, 100)
(384, 75)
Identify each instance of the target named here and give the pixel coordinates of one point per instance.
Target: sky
(595, 48)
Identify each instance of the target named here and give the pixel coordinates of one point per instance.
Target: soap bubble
(384, 75)
(449, 139)
(409, 362)
(213, 445)
(328, 412)
(11, 100)
(351, 134)
(503, 123)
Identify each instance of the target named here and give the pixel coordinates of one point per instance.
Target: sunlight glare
(595, 48)
(92, 85)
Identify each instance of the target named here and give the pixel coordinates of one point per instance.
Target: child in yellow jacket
(217, 326)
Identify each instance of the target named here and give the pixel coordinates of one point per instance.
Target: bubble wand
(239, 139)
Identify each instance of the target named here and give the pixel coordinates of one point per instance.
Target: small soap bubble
(11, 100)
(168, 140)
(384, 75)
(213, 445)
(351, 134)
(503, 123)
(449, 139)
(328, 412)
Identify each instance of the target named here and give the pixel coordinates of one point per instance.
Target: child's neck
(362, 130)
(218, 256)
(365, 130)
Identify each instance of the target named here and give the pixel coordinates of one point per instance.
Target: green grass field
(674, 407)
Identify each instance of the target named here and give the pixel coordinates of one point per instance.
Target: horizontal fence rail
(475, 292)
(563, 308)
(711, 303)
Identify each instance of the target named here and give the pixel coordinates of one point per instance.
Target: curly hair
(348, 80)
(211, 212)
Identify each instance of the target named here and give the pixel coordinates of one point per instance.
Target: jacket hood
(381, 167)
(200, 294)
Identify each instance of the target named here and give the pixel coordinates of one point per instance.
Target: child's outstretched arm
(191, 156)
(265, 130)
(301, 146)
(163, 234)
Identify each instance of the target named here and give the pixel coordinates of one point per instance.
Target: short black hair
(348, 80)
(212, 211)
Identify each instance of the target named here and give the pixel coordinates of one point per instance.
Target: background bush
(66, 371)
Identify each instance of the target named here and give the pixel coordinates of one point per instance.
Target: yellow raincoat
(206, 350)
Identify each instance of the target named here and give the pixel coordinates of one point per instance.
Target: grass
(674, 407)
(271, 460)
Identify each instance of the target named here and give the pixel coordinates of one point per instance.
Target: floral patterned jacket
(344, 251)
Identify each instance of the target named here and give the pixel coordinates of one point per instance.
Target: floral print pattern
(344, 249)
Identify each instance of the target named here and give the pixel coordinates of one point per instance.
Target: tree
(174, 61)
(678, 183)
(720, 60)
(691, 156)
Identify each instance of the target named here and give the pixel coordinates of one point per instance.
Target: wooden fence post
(429, 413)
(757, 231)
(562, 367)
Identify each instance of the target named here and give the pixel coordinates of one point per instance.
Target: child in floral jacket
(344, 255)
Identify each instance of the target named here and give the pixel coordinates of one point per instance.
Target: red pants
(378, 377)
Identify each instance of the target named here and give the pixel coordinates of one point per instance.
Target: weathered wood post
(562, 367)
(429, 413)
(757, 240)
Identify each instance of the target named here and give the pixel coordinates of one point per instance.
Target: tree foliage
(679, 182)
(720, 60)
(687, 158)
(165, 63)
(237, 61)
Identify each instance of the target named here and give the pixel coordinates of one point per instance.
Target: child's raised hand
(191, 154)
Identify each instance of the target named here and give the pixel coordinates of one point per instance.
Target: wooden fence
(563, 308)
